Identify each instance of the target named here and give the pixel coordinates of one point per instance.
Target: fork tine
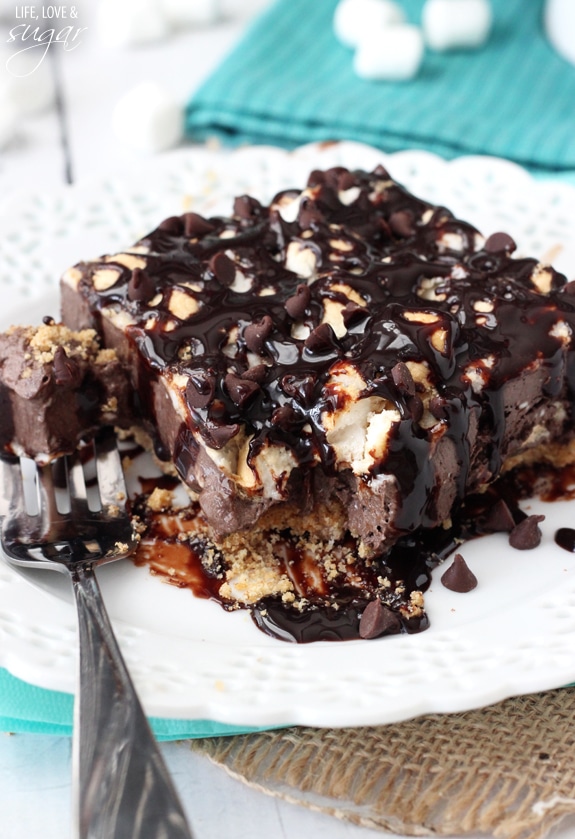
(77, 486)
(12, 488)
(111, 483)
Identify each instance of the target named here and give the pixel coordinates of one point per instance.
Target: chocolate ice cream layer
(57, 387)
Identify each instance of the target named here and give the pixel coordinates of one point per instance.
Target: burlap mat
(508, 770)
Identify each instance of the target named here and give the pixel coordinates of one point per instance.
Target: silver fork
(122, 789)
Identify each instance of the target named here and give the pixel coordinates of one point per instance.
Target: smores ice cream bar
(348, 359)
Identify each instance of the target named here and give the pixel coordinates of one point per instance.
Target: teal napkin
(27, 709)
(289, 82)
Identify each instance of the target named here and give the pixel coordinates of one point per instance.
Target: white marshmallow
(125, 23)
(26, 85)
(191, 12)
(456, 24)
(559, 20)
(353, 18)
(393, 53)
(148, 119)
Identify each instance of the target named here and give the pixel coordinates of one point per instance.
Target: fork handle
(122, 787)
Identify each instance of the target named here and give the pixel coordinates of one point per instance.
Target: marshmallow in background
(354, 19)
(392, 53)
(125, 23)
(559, 20)
(191, 12)
(26, 86)
(148, 119)
(456, 24)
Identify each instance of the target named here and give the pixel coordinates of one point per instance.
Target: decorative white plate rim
(514, 634)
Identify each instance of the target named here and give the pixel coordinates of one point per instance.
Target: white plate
(514, 634)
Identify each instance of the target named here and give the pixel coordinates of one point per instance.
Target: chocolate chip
(200, 389)
(246, 207)
(377, 620)
(527, 534)
(257, 333)
(256, 374)
(569, 288)
(402, 378)
(458, 576)
(316, 178)
(309, 215)
(499, 243)
(499, 518)
(321, 339)
(333, 175)
(299, 387)
(222, 268)
(240, 390)
(173, 225)
(401, 223)
(48, 320)
(381, 172)
(327, 196)
(285, 418)
(217, 435)
(66, 370)
(345, 181)
(196, 226)
(415, 407)
(297, 304)
(141, 286)
(352, 314)
(438, 407)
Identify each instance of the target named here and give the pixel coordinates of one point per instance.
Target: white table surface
(74, 144)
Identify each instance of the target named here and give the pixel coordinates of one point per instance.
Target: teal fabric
(27, 709)
(289, 82)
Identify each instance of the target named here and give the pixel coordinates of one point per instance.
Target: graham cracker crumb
(160, 499)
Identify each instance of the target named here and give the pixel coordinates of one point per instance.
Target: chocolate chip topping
(256, 374)
(200, 389)
(257, 333)
(345, 181)
(402, 378)
(297, 304)
(527, 534)
(196, 226)
(217, 435)
(300, 388)
(241, 390)
(458, 576)
(173, 225)
(66, 370)
(401, 223)
(246, 207)
(378, 620)
(309, 215)
(499, 518)
(141, 286)
(438, 407)
(353, 314)
(499, 243)
(321, 339)
(223, 268)
(415, 407)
